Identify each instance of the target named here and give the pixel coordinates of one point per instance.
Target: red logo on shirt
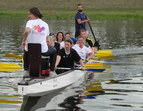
(38, 28)
(81, 52)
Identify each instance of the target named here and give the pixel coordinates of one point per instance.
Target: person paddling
(50, 42)
(84, 52)
(88, 41)
(60, 38)
(67, 57)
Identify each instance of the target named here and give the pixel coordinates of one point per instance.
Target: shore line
(64, 15)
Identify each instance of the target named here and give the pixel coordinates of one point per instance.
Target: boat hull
(40, 86)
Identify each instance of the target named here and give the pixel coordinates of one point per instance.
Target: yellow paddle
(9, 67)
(95, 61)
(109, 52)
(104, 54)
(13, 55)
(97, 66)
(94, 65)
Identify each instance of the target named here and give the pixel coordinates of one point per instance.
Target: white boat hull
(38, 87)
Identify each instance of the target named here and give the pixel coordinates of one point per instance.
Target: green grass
(102, 14)
(95, 9)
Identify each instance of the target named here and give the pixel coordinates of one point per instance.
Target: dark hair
(67, 33)
(80, 37)
(58, 34)
(35, 11)
(82, 30)
(69, 40)
(79, 5)
(51, 34)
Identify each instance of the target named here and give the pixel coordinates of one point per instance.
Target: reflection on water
(119, 87)
(71, 103)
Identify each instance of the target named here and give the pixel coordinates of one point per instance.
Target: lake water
(120, 87)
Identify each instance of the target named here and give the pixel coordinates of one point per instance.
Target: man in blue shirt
(80, 20)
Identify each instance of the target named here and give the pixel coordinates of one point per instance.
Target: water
(118, 88)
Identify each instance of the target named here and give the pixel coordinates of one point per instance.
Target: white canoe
(41, 86)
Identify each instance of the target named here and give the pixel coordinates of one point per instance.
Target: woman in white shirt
(84, 52)
(36, 31)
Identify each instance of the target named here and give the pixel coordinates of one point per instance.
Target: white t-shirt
(39, 32)
(83, 52)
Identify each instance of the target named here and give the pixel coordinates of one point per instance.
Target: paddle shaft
(96, 44)
(66, 68)
(92, 31)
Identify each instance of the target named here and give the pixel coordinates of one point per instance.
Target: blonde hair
(51, 40)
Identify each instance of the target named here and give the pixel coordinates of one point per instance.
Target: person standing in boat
(67, 57)
(36, 31)
(80, 20)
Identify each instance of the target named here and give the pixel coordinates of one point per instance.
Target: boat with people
(37, 86)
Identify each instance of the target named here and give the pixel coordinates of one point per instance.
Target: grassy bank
(95, 9)
(98, 14)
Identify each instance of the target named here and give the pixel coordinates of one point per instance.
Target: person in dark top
(89, 41)
(60, 37)
(50, 41)
(80, 20)
(73, 38)
(54, 45)
(67, 57)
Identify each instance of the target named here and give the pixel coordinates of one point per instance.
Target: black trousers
(52, 53)
(77, 33)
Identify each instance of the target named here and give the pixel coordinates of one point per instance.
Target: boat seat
(38, 63)
(34, 58)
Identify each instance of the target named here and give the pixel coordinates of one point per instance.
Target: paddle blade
(104, 54)
(9, 67)
(95, 61)
(101, 56)
(13, 55)
(97, 66)
(109, 52)
(95, 70)
(94, 65)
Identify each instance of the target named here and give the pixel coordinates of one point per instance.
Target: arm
(26, 32)
(82, 21)
(79, 19)
(82, 64)
(91, 54)
(94, 49)
(57, 61)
